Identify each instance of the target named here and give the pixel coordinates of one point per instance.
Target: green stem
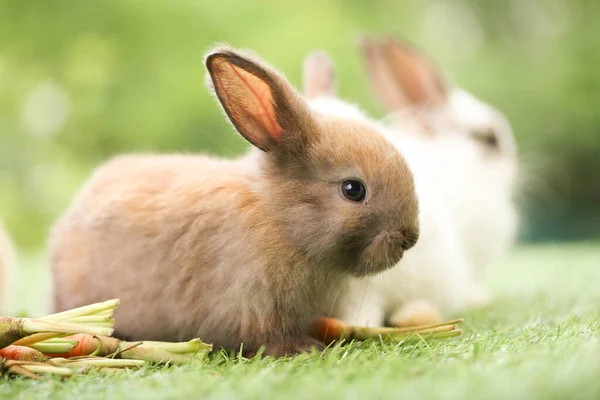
(48, 369)
(36, 326)
(93, 319)
(165, 352)
(62, 340)
(192, 346)
(97, 362)
(159, 356)
(97, 308)
(54, 348)
(36, 338)
(434, 335)
(361, 333)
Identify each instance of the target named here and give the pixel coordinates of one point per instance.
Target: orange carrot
(22, 353)
(89, 344)
(330, 329)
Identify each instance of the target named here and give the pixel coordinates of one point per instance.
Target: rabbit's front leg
(415, 313)
(365, 310)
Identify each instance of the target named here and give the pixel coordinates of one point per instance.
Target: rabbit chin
(384, 251)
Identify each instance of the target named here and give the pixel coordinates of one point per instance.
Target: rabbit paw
(416, 313)
(478, 297)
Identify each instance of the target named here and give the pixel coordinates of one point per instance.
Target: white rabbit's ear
(318, 75)
(380, 75)
(403, 75)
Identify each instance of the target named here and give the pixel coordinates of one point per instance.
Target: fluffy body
(237, 251)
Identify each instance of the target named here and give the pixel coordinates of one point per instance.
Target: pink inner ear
(263, 104)
(414, 72)
(382, 78)
(249, 100)
(319, 76)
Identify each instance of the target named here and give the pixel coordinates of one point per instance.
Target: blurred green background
(82, 80)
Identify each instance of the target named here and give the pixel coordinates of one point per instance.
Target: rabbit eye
(488, 138)
(354, 190)
(491, 140)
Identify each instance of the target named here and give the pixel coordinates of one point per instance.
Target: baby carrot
(22, 353)
(90, 344)
(330, 329)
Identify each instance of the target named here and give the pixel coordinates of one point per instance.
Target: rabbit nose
(410, 238)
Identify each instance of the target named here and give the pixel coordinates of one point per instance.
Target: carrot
(330, 329)
(22, 353)
(160, 352)
(90, 344)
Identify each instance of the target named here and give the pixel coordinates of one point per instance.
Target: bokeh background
(82, 80)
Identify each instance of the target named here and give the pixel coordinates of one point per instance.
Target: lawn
(539, 340)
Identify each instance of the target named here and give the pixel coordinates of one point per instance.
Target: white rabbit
(463, 178)
(472, 142)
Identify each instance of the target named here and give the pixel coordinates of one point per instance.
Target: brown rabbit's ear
(318, 75)
(262, 106)
(410, 73)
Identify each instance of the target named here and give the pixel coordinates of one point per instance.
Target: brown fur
(237, 251)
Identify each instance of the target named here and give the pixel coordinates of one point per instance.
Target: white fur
(338, 108)
(479, 184)
(467, 217)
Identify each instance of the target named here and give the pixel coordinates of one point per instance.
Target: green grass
(539, 340)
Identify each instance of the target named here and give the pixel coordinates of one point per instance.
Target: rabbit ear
(261, 105)
(319, 75)
(380, 75)
(410, 73)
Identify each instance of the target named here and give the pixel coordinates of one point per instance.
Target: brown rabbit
(238, 252)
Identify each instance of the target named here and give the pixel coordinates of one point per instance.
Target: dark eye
(488, 138)
(491, 140)
(354, 190)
